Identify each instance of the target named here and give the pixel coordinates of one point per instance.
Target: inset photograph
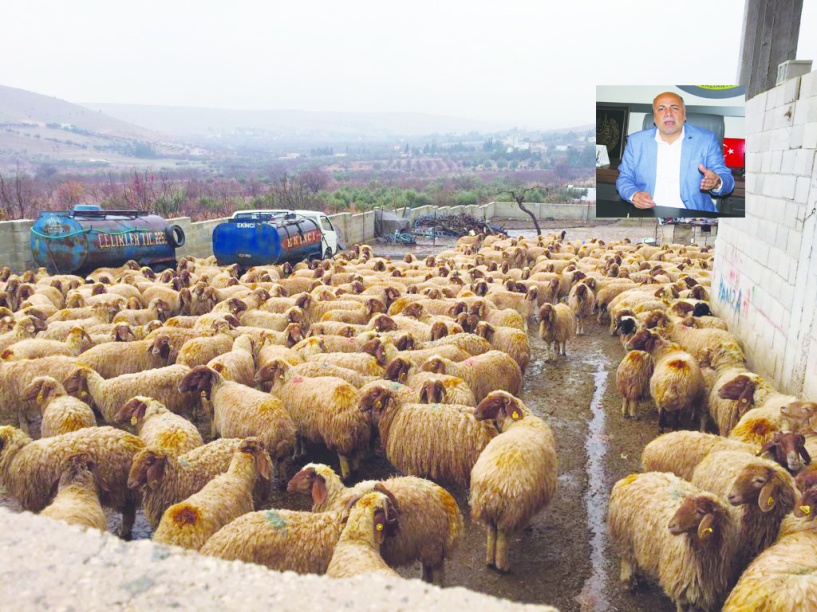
(668, 151)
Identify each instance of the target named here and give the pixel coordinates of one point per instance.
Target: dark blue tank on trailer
(266, 238)
(89, 237)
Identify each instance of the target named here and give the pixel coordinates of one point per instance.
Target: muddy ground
(564, 557)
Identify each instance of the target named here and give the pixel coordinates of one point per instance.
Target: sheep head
(801, 416)
(699, 515)
(499, 406)
(134, 410)
(485, 330)
(161, 347)
(199, 380)
(740, 389)
(438, 330)
(42, 389)
(294, 334)
(435, 364)
(806, 479)
(77, 382)
(376, 399)
(806, 504)
(255, 447)
(274, 372)
(414, 310)
(398, 370)
(382, 507)
(311, 480)
(82, 469)
(788, 449)
(374, 347)
(627, 326)
(404, 342)
(147, 470)
(383, 323)
(760, 484)
(432, 392)
(643, 340)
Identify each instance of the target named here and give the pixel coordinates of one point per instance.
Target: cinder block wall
(15, 245)
(765, 277)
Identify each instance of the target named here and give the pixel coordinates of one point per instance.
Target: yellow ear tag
(379, 527)
(770, 501)
(133, 420)
(806, 509)
(40, 397)
(515, 415)
(707, 531)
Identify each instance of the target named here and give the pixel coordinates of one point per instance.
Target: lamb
(29, 469)
(158, 427)
(717, 345)
(430, 524)
(633, 380)
(483, 373)
(113, 359)
(239, 363)
(109, 396)
(77, 499)
(282, 540)
(190, 523)
(557, 325)
(677, 384)
(676, 533)
(77, 341)
(515, 475)
(680, 452)
(442, 441)
(509, 340)
(164, 480)
(763, 491)
(61, 412)
(372, 518)
(198, 351)
(325, 410)
(582, 302)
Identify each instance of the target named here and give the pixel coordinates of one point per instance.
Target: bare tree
(519, 197)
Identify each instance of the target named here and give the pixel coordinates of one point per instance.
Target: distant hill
(293, 123)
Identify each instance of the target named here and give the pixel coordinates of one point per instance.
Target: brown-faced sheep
(239, 411)
(508, 340)
(164, 480)
(77, 341)
(158, 427)
(514, 476)
(61, 412)
(440, 441)
(190, 523)
(787, 449)
(238, 364)
(673, 532)
(77, 499)
(677, 384)
(113, 359)
(633, 380)
(372, 518)
(680, 452)
(557, 325)
(483, 373)
(582, 302)
(431, 522)
(29, 469)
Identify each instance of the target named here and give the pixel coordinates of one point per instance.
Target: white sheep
(633, 380)
(680, 452)
(77, 499)
(158, 427)
(61, 412)
(557, 325)
(483, 373)
(515, 475)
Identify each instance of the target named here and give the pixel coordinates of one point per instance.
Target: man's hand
(642, 199)
(710, 180)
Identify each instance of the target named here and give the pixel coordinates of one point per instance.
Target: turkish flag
(734, 150)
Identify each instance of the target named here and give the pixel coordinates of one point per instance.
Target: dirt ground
(564, 557)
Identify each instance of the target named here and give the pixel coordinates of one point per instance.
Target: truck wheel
(175, 236)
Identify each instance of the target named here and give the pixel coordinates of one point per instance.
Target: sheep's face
(484, 329)
(376, 400)
(147, 470)
(434, 364)
(374, 347)
(273, 373)
(438, 330)
(404, 342)
(499, 406)
(199, 380)
(294, 334)
(432, 392)
(788, 449)
(801, 416)
(384, 323)
(262, 462)
(133, 410)
(698, 515)
(644, 340)
(309, 481)
(756, 484)
(806, 506)
(77, 383)
(414, 310)
(740, 389)
(398, 370)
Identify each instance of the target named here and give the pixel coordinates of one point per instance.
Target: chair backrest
(713, 123)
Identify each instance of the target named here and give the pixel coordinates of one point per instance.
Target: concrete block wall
(198, 236)
(15, 245)
(765, 276)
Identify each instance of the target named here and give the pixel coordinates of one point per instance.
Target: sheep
(239, 411)
(442, 441)
(788, 449)
(164, 480)
(680, 452)
(676, 533)
(77, 341)
(360, 362)
(325, 410)
(238, 364)
(781, 578)
(508, 340)
(430, 524)
(633, 380)
(717, 345)
(443, 388)
(372, 518)
(158, 427)
(24, 328)
(109, 396)
(557, 325)
(77, 499)
(582, 303)
(762, 489)
(483, 373)
(282, 540)
(760, 424)
(198, 351)
(157, 310)
(515, 475)
(190, 523)
(61, 412)
(677, 384)
(114, 359)
(29, 469)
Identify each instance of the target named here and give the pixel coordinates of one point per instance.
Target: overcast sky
(522, 61)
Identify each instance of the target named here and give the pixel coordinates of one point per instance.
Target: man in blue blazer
(673, 164)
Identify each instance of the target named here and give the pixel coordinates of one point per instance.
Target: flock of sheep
(425, 358)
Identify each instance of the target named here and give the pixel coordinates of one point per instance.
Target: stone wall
(15, 245)
(765, 278)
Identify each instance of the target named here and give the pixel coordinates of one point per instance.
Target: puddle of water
(593, 595)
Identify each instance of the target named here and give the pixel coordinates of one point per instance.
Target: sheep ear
(706, 527)
(801, 448)
(263, 463)
(100, 481)
(766, 500)
(318, 490)
(734, 389)
(156, 472)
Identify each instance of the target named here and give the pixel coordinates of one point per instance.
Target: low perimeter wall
(15, 249)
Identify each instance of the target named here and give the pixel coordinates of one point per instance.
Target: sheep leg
(662, 420)
(502, 564)
(490, 557)
(626, 574)
(624, 407)
(345, 470)
(633, 406)
(128, 519)
(428, 573)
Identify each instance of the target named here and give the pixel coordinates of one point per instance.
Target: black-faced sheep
(514, 476)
